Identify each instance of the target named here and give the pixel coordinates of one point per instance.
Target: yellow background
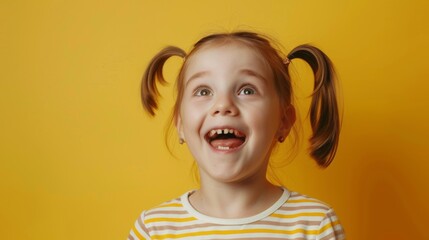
(80, 159)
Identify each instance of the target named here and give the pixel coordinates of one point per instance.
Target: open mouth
(225, 138)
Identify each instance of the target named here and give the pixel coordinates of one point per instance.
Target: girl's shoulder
(315, 213)
(149, 219)
(171, 206)
(301, 200)
(299, 205)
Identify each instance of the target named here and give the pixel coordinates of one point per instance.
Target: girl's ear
(287, 121)
(179, 128)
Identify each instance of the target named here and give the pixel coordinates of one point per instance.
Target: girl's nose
(224, 106)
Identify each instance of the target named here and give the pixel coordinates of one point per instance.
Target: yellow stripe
(230, 232)
(329, 225)
(151, 220)
(335, 223)
(137, 233)
(304, 214)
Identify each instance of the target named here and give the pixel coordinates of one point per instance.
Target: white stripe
(133, 235)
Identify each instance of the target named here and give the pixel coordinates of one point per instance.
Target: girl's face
(230, 113)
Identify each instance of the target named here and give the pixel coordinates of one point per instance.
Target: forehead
(227, 57)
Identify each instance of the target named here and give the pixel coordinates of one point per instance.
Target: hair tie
(286, 61)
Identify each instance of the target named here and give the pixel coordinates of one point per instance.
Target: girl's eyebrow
(196, 75)
(254, 74)
(248, 72)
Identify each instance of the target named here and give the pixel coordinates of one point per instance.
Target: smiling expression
(230, 114)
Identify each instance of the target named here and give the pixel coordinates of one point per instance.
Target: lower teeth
(222, 148)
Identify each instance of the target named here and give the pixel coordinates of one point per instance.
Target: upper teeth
(221, 131)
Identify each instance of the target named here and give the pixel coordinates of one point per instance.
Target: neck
(235, 200)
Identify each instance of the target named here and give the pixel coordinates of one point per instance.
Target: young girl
(233, 107)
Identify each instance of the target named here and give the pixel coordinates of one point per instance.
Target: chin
(230, 176)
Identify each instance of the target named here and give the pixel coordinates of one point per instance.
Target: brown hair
(324, 114)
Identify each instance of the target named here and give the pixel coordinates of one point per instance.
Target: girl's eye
(202, 92)
(247, 91)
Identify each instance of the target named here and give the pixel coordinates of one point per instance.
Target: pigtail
(324, 114)
(153, 73)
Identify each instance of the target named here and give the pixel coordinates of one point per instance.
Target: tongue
(230, 142)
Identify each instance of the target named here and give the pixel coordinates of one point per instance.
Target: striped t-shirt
(293, 216)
